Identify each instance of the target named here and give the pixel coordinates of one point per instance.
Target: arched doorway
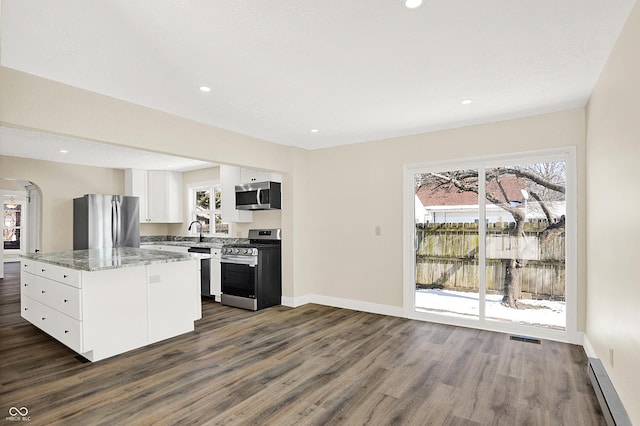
(21, 224)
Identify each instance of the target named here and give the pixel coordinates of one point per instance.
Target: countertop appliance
(252, 273)
(105, 221)
(258, 196)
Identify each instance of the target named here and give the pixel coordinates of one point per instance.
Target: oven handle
(258, 197)
(250, 261)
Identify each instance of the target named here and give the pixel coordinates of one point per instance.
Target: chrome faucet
(195, 221)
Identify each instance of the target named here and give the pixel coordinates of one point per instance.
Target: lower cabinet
(105, 313)
(216, 276)
(58, 325)
(171, 309)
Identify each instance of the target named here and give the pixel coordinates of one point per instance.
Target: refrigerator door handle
(119, 224)
(115, 223)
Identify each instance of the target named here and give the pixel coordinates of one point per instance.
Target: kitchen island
(103, 302)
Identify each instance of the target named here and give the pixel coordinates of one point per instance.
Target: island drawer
(61, 297)
(53, 272)
(58, 325)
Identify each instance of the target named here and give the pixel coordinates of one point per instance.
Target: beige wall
(358, 187)
(60, 183)
(613, 206)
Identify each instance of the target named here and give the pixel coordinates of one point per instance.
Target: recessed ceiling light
(204, 88)
(64, 151)
(413, 4)
(314, 130)
(466, 101)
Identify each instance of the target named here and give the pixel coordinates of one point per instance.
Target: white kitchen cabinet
(229, 178)
(172, 310)
(77, 308)
(165, 196)
(160, 193)
(103, 313)
(135, 184)
(216, 274)
(251, 175)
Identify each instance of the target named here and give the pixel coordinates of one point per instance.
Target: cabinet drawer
(58, 325)
(61, 297)
(53, 272)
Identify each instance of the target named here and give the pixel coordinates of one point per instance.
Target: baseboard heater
(610, 403)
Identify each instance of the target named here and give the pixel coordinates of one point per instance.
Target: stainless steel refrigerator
(105, 221)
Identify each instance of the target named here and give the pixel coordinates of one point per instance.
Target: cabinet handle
(26, 309)
(26, 284)
(66, 300)
(65, 276)
(43, 318)
(66, 331)
(42, 270)
(42, 291)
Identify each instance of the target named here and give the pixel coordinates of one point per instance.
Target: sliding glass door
(525, 244)
(488, 243)
(447, 244)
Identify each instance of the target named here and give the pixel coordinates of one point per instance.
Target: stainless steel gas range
(252, 273)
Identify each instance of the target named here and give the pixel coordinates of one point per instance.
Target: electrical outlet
(611, 357)
(378, 231)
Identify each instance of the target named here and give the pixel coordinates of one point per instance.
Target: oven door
(239, 275)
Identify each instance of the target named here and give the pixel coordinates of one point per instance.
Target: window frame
(206, 186)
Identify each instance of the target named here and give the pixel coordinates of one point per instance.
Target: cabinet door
(251, 175)
(135, 184)
(216, 287)
(114, 312)
(165, 202)
(173, 298)
(229, 178)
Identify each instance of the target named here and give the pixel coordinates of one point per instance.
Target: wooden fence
(447, 257)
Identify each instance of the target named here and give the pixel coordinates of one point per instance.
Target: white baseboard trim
(336, 302)
(294, 302)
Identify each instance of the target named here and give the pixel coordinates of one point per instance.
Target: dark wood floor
(310, 365)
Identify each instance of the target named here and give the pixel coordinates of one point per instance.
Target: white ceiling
(354, 70)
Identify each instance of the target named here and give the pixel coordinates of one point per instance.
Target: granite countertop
(208, 242)
(113, 258)
(203, 244)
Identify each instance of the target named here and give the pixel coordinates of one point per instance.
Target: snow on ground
(540, 312)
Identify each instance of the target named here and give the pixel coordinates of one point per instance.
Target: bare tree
(544, 182)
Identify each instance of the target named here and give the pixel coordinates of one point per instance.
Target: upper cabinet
(250, 175)
(160, 193)
(230, 176)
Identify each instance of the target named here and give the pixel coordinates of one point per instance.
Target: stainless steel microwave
(258, 196)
